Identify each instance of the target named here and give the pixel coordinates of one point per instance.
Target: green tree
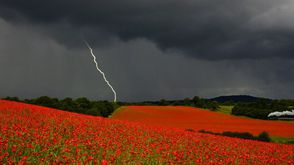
(163, 102)
(195, 99)
(264, 136)
(94, 111)
(82, 104)
(47, 101)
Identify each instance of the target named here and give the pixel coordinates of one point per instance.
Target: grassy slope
(225, 109)
(282, 140)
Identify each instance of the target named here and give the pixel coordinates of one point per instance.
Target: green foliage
(228, 103)
(83, 103)
(242, 110)
(195, 102)
(264, 136)
(95, 111)
(260, 109)
(242, 135)
(282, 140)
(79, 105)
(226, 109)
(46, 101)
(209, 132)
(163, 102)
(11, 98)
(204, 103)
(68, 104)
(190, 130)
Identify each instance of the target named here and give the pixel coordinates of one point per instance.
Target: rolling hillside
(32, 134)
(238, 98)
(197, 119)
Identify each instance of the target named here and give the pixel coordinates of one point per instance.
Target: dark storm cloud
(148, 49)
(33, 64)
(214, 30)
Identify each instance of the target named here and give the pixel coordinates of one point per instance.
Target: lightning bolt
(100, 71)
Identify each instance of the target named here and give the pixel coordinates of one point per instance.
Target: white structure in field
(283, 113)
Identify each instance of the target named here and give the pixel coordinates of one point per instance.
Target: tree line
(263, 136)
(194, 102)
(258, 109)
(262, 108)
(80, 105)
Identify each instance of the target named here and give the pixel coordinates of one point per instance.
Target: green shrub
(242, 135)
(264, 136)
(190, 130)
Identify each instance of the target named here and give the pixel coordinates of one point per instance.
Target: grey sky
(148, 50)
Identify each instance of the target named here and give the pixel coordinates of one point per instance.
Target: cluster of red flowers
(199, 119)
(36, 135)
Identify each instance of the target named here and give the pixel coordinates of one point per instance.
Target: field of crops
(36, 135)
(197, 119)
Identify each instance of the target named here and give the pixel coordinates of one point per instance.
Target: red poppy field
(197, 119)
(37, 135)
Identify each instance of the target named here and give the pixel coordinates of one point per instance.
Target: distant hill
(237, 98)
